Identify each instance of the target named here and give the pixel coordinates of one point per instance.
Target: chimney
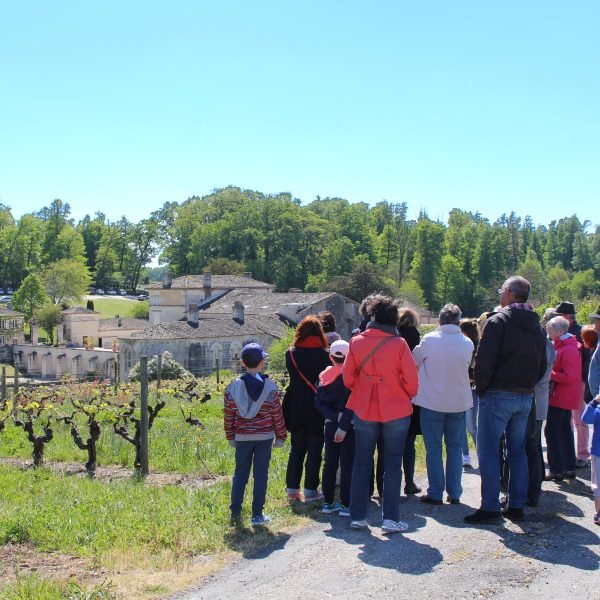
(207, 284)
(167, 280)
(193, 315)
(33, 326)
(238, 312)
(247, 274)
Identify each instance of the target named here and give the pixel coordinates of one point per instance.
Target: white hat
(339, 349)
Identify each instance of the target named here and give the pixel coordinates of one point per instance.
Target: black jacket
(299, 400)
(331, 400)
(512, 352)
(411, 335)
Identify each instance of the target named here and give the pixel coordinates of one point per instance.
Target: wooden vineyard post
(144, 415)
(3, 385)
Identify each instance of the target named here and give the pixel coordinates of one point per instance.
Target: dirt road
(551, 554)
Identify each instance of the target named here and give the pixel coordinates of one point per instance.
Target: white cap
(339, 349)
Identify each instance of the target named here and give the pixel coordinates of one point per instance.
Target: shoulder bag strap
(306, 381)
(382, 343)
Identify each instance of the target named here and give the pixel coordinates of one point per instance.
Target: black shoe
(452, 500)
(581, 464)
(514, 514)
(553, 477)
(570, 475)
(533, 502)
(429, 500)
(412, 488)
(484, 516)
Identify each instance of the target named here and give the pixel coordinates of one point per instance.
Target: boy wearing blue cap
(253, 423)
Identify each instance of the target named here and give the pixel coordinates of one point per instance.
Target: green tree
(225, 266)
(427, 260)
(531, 269)
(66, 280)
(48, 317)
(30, 296)
(364, 279)
(451, 282)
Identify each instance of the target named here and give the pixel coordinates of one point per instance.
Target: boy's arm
(277, 417)
(229, 412)
(345, 421)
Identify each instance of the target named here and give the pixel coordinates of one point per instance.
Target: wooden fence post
(144, 415)
(158, 370)
(3, 385)
(218, 373)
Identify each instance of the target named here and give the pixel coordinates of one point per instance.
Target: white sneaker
(389, 526)
(358, 524)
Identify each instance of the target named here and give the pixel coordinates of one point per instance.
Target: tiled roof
(211, 328)
(126, 323)
(79, 310)
(264, 303)
(217, 282)
(6, 312)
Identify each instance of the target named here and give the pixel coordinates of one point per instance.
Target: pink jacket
(566, 374)
(382, 390)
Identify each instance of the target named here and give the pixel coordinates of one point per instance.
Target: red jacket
(566, 374)
(382, 390)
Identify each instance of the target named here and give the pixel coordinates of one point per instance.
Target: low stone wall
(54, 363)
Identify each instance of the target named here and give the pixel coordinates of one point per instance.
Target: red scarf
(312, 341)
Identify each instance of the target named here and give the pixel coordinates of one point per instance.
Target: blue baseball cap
(253, 352)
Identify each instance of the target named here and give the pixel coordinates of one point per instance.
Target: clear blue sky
(120, 106)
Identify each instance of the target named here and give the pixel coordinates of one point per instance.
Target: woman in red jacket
(565, 394)
(381, 373)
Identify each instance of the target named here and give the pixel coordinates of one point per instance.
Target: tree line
(328, 244)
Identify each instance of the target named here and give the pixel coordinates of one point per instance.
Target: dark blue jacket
(330, 401)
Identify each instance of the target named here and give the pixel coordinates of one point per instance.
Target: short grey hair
(450, 315)
(519, 287)
(558, 325)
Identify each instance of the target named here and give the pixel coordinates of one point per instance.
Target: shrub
(170, 368)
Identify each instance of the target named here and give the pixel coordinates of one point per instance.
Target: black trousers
(338, 454)
(305, 456)
(535, 463)
(560, 442)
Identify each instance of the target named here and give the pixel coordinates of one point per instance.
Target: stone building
(12, 327)
(169, 301)
(79, 323)
(200, 344)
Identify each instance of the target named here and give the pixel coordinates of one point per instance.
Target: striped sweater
(246, 419)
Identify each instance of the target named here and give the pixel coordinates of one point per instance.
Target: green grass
(109, 307)
(9, 370)
(34, 587)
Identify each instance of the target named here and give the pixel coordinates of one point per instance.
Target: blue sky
(122, 106)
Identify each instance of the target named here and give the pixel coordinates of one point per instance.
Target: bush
(170, 368)
(278, 349)
(140, 310)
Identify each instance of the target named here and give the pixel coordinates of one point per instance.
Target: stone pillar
(33, 325)
(60, 332)
(45, 365)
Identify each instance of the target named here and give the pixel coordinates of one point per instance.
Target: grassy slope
(109, 307)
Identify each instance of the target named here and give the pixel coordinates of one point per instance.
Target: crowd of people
(359, 405)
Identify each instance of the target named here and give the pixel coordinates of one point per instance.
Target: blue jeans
(471, 423)
(503, 411)
(436, 425)
(394, 439)
(246, 454)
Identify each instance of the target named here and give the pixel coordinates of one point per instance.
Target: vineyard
(70, 487)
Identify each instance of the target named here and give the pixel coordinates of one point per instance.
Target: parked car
(1, 292)
(111, 293)
(100, 292)
(122, 292)
(5, 298)
(143, 297)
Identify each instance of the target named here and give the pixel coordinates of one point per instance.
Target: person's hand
(231, 443)
(339, 435)
(278, 443)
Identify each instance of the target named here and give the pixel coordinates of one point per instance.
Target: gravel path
(551, 554)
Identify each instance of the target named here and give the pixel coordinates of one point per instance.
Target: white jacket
(443, 358)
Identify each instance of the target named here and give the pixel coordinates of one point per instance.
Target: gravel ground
(550, 554)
